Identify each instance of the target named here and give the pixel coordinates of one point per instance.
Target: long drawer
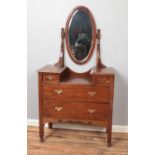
(76, 110)
(77, 93)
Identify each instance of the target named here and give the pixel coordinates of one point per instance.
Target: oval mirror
(80, 34)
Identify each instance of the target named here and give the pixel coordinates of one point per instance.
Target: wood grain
(80, 93)
(75, 96)
(74, 142)
(76, 110)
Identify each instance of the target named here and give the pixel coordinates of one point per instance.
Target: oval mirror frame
(93, 41)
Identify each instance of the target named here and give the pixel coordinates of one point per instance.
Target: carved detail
(60, 62)
(99, 64)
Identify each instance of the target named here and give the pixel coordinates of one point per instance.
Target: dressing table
(67, 96)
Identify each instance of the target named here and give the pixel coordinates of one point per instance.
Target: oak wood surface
(102, 71)
(76, 110)
(75, 142)
(81, 93)
(52, 69)
(103, 123)
(70, 96)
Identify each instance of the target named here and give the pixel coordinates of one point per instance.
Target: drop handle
(58, 91)
(58, 108)
(50, 77)
(91, 111)
(92, 93)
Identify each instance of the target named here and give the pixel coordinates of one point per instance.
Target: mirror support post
(60, 62)
(99, 64)
(62, 46)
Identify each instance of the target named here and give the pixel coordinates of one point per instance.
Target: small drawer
(50, 78)
(76, 110)
(102, 80)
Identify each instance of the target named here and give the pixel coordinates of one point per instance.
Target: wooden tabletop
(103, 71)
(52, 69)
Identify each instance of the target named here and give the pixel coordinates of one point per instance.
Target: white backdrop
(45, 20)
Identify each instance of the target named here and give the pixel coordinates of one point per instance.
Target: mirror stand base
(60, 63)
(100, 65)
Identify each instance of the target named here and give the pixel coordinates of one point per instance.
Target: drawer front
(102, 80)
(76, 110)
(50, 79)
(77, 93)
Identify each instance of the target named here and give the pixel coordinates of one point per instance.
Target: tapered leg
(41, 132)
(50, 125)
(41, 124)
(109, 131)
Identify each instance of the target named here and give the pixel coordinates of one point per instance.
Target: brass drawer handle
(50, 77)
(91, 111)
(58, 91)
(92, 93)
(58, 108)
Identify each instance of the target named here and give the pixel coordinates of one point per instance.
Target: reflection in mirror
(80, 34)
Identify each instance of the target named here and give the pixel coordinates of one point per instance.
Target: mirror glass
(80, 34)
